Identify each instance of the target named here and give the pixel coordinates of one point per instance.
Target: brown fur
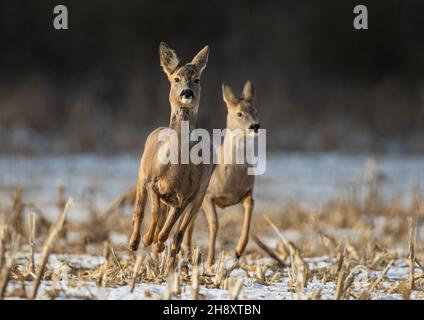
(174, 190)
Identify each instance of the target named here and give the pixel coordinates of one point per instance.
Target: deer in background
(230, 183)
(173, 190)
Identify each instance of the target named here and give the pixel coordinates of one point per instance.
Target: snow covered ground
(277, 290)
(307, 179)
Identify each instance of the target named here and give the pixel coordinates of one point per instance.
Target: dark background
(321, 85)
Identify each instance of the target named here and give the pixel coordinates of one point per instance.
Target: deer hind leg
(163, 210)
(179, 235)
(188, 235)
(155, 208)
(210, 212)
(248, 204)
(138, 215)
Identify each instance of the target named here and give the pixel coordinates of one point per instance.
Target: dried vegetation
(361, 234)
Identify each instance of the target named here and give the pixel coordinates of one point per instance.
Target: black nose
(255, 127)
(187, 93)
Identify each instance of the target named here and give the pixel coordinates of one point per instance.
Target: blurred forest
(321, 85)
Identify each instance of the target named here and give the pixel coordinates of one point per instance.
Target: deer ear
(201, 59)
(248, 91)
(228, 94)
(168, 58)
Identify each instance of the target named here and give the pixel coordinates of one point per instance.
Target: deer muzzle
(187, 95)
(255, 127)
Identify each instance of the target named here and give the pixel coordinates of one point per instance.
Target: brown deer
(174, 190)
(230, 184)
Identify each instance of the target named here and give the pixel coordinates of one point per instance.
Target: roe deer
(174, 190)
(230, 183)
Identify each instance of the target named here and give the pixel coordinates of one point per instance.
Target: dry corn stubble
(323, 232)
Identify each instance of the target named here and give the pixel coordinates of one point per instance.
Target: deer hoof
(160, 246)
(134, 243)
(147, 240)
(238, 255)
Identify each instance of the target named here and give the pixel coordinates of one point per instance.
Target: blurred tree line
(321, 85)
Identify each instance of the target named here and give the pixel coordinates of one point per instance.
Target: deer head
(184, 79)
(242, 113)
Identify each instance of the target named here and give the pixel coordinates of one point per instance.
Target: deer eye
(177, 79)
(239, 114)
(196, 80)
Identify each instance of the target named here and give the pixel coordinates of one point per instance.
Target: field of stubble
(361, 243)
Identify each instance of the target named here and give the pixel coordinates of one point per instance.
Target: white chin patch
(253, 133)
(186, 100)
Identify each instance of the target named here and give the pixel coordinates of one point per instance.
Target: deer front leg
(155, 208)
(140, 204)
(210, 213)
(163, 210)
(248, 204)
(171, 219)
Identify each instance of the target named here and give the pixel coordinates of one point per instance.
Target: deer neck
(180, 115)
(234, 142)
